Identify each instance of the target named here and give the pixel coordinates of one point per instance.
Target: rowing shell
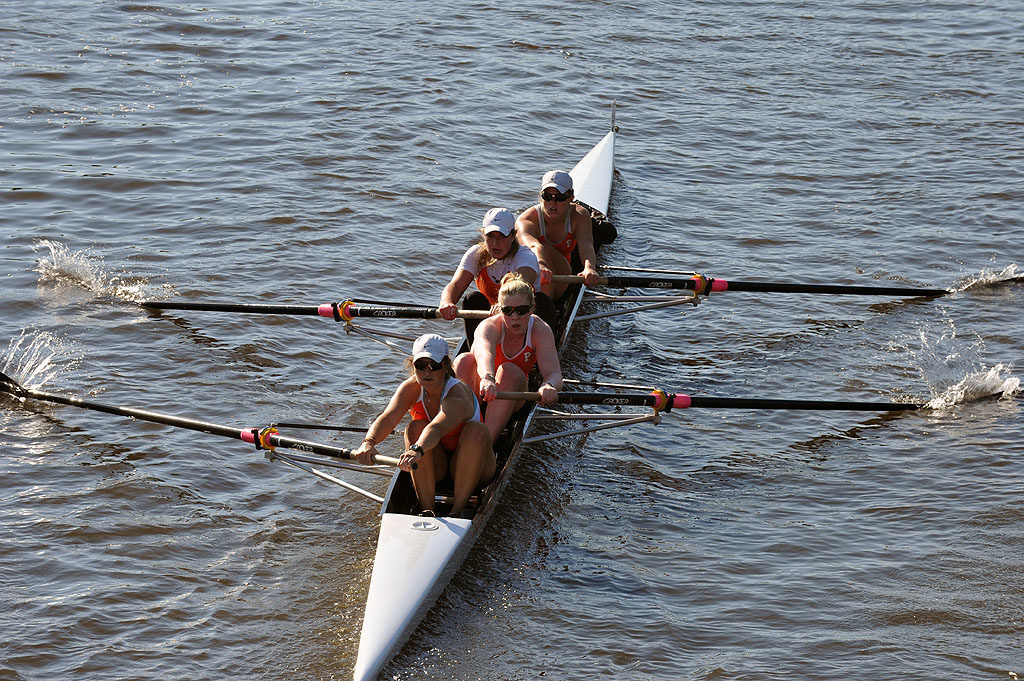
(416, 557)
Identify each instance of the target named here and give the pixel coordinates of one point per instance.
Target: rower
(505, 349)
(498, 253)
(556, 227)
(445, 434)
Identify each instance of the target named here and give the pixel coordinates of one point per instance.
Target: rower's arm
(547, 362)
(583, 228)
(451, 293)
(528, 274)
(455, 408)
(400, 403)
(484, 342)
(384, 424)
(528, 233)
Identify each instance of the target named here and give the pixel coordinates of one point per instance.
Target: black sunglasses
(425, 363)
(521, 310)
(554, 197)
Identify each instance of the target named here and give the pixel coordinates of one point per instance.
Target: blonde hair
(513, 284)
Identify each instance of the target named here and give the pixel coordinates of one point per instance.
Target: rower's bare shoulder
(527, 220)
(409, 390)
(486, 332)
(542, 331)
(581, 216)
(459, 402)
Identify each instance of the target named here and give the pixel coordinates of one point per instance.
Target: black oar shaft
(815, 405)
(708, 285)
(836, 289)
(338, 311)
(245, 434)
(611, 399)
(409, 312)
(679, 401)
(246, 308)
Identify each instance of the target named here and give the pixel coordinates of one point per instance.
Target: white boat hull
(412, 556)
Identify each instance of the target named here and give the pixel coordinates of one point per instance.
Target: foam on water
(977, 386)
(955, 372)
(989, 277)
(85, 270)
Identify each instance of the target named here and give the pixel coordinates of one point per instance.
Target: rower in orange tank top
(506, 348)
(445, 437)
(556, 212)
(525, 359)
(567, 243)
(418, 412)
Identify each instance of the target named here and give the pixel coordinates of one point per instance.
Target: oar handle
(389, 460)
(513, 395)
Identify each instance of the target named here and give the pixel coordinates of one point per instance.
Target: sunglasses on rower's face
(425, 364)
(554, 196)
(521, 310)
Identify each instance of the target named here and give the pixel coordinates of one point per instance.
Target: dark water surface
(284, 152)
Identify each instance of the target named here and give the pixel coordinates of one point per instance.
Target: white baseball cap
(499, 220)
(559, 179)
(430, 345)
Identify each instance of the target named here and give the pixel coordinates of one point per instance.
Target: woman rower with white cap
(555, 227)
(498, 253)
(445, 433)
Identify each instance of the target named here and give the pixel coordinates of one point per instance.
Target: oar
(339, 312)
(662, 401)
(706, 285)
(266, 438)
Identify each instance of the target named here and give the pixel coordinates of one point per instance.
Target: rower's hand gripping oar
(704, 286)
(340, 312)
(664, 401)
(263, 438)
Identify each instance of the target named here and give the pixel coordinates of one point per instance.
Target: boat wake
(80, 269)
(956, 374)
(1009, 274)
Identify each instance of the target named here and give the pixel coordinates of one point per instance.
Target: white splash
(35, 357)
(955, 373)
(85, 270)
(977, 386)
(63, 266)
(986, 277)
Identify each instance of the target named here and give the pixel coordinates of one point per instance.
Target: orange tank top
(525, 359)
(488, 286)
(450, 440)
(568, 242)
